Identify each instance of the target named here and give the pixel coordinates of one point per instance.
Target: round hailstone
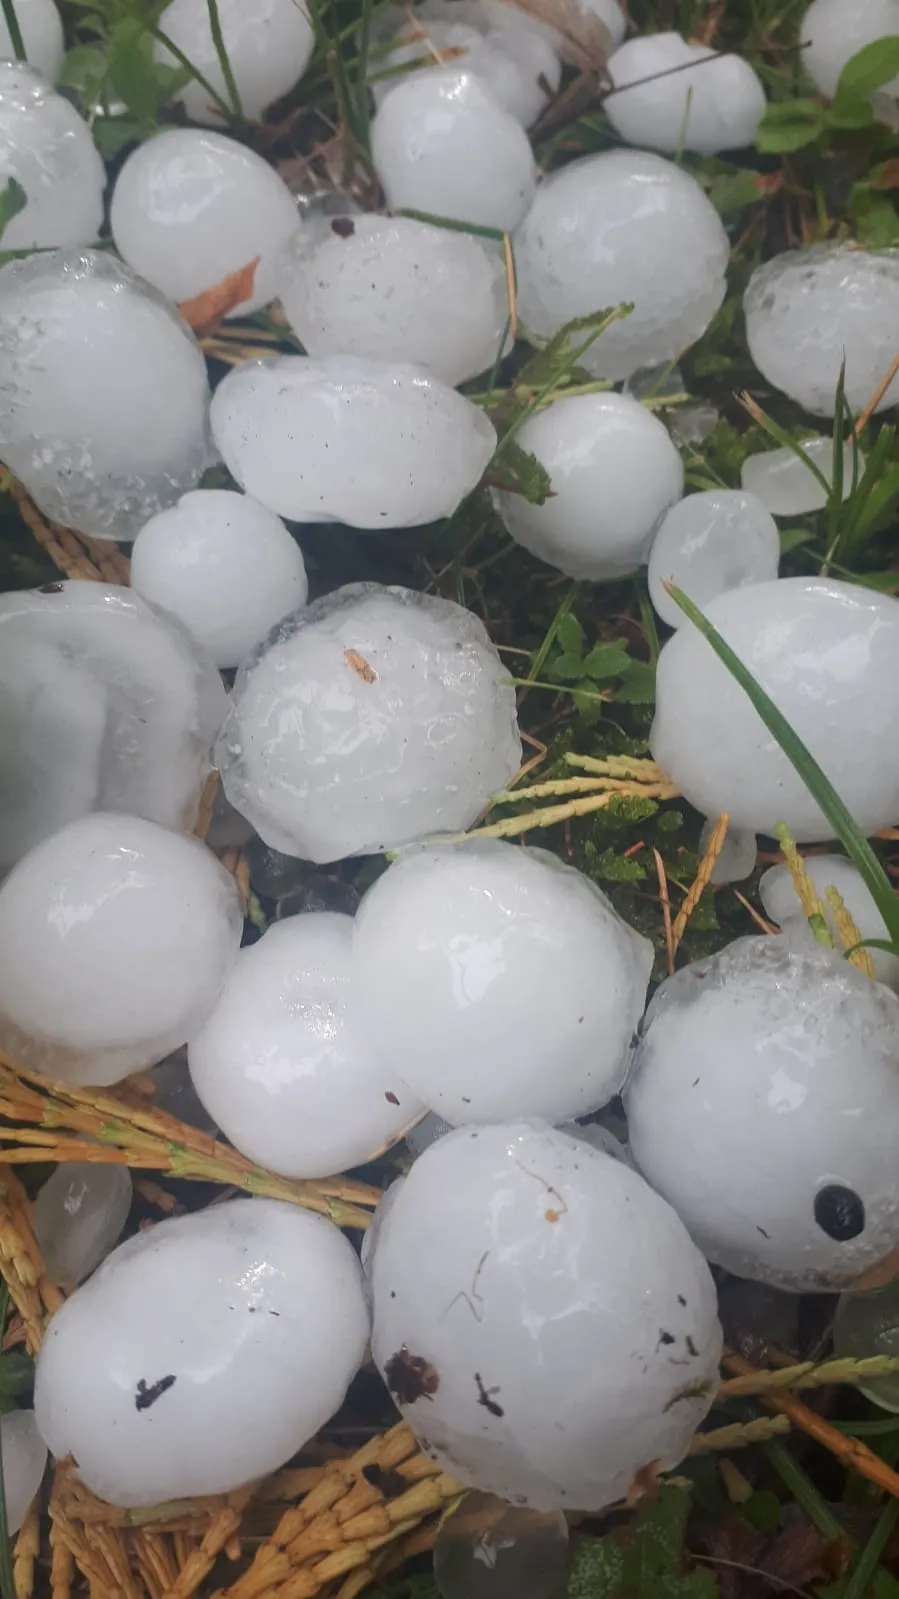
(738, 855)
(203, 1353)
(189, 207)
(763, 1104)
(614, 471)
(662, 102)
(78, 1217)
(866, 1325)
(47, 148)
(833, 31)
(442, 143)
(828, 655)
(104, 705)
(132, 929)
(550, 1333)
(625, 226)
(268, 45)
(779, 479)
(226, 567)
(102, 456)
(498, 982)
(376, 717)
(41, 27)
(369, 443)
(394, 289)
(576, 34)
(24, 1455)
(781, 903)
(708, 544)
(808, 311)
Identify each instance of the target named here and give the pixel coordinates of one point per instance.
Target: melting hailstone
(867, 1325)
(780, 480)
(832, 32)
(488, 1549)
(708, 544)
(608, 12)
(41, 27)
(781, 903)
(268, 45)
(78, 1217)
(670, 95)
(737, 857)
(24, 1463)
(47, 148)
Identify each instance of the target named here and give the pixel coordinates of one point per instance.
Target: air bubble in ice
(709, 543)
(662, 102)
(24, 1463)
(781, 903)
(268, 45)
(78, 1217)
(737, 857)
(48, 149)
(780, 480)
(832, 32)
(42, 36)
(867, 1325)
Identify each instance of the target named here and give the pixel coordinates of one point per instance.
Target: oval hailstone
(781, 903)
(554, 1330)
(763, 1104)
(369, 443)
(78, 1217)
(103, 456)
(47, 148)
(24, 1463)
(623, 227)
(832, 32)
(498, 982)
(708, 544)
(662, 102)
(372, 719)
(203, 1353)
(268, 45)
(41, 27)
(608, 12)
(131, 928)
(614, 471)
(828, 655)
(780, 480)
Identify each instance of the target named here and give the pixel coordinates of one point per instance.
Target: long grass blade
(221, 50)
(15, 32)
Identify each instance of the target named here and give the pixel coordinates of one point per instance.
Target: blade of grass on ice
(15, 32)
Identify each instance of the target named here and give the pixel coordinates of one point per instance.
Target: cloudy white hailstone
(709, 543)
(47, 147)
(608, 12)
(828, 655)
(42, 36)
(442, 143)
(78, 1217)
(623, 227)
(375, 718)
(499, 982)
(374, 444)
(203, 1353)
(779, 479)
(131, 927)
(551, 1332)
(832, 32)
(737, 857)
(103, 456)
(809, 310)
(394, 289)
(866, 1325)
(24, 1462)
(763, 1104)
(104, 705)
(226, 567)
(614, 471)
(781, 903)
(715, 104)
(268, 44)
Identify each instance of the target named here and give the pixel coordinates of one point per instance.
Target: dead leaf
(645, 1484)
(358, 664)
(585, 39)
(888, 176)
(799, 1557)
(204, 312)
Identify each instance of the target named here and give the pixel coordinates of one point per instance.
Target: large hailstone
(374, 718)
(78, 1217)
(614, 472)
(780, 480)
(541, 1317)
(662, 102)
(808, 311)
(764, 1106)
(827, 653)
(626, 226)
(104, 705)
(102, 455)
(24, 1463)
(781, 903)
(268, 45)
(203, 1353)
(47, 147)
(41, 27)
(116, 937)
(284, 1064)
(369, 443)
(499, 982)
(708, 544)
(832, 32)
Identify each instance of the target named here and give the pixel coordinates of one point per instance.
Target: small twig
(877, 396)
(665, 902)
(740, 1434)
(511, 285)
(809, 1374)
(703, 877)
(760, 922)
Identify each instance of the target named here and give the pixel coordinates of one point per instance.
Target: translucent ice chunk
(781, 903)
(101, 456)
(709, 543)
(737, 857)
(267, 43)
(372, 444)
(375, 718)
(828, 654)
(625, 226)
(42, 36)
(488, 1549)
(24, 1462)
(832, 32)
(48, 149)
(614, 471)
(867, 1325)
(715, 104)
(779, 479)
(78, 1217)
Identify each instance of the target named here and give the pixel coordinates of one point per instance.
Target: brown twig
(703, 877)
(665, 902)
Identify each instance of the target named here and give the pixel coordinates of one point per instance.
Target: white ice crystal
(781, 903)
(833, 31)
(268, 45)
(24, 1462)
(375, 718)
(47, 148)
(709, 543)
(629, 227)
(78, 1217)
(714, 104)
(779, 479)
(42, 36)
(203, 1353)
(737, 857)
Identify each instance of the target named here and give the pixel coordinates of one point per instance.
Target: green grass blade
(185, 61)
(15, 32)
(221, 50)
(861, 1578)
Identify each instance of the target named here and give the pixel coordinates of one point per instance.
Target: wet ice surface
(709, 543)
(131, 928)
(24, 1463)
(866, 1325)
(828, 655)
(832, 32)
(488, 1317)
(714, 105)
(625, 226)
(779, 479)
(375, 718)
(737, 857)
(104, 705)
(764, 1106)
(499, 982)
(203, 1353)
(488, 1549)
(781, 903)
(42, 36)
(78, 1217)
(102, 456)
(267, 43)
(47, 147)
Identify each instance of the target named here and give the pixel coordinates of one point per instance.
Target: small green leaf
(522, 474)
(132, 71)
(869, 69)
(13, 199)
(113, 134)
(570, 635)
(850, 112)
(792, 537)
(16, 1377)
(567, 668)
(788, 125)
(607, 660)
(639, 686)
(642, 1560)
(731, 191)
(84, 70)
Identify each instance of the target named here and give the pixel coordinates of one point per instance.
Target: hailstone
(78, 1217)
(24, 1463)
(866, 1325)
(832, 32)
(498, 982)
(828, 655)
(268, 45)
(781, 903)
(670, 95)
(203, 1353)
(764, 1106)
(117, 936)
(100, 456)
(737, 857)
(780, 480)
(614, 472)
(708, 544)
(41, 27)
(47, 148)
(374, 718)
(552, 1330)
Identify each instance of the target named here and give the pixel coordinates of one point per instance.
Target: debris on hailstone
(47, 148)
(131, 928)
(550, 1333)
(764, 1106)
(41, 27)
(614, 472)
(737, 856)
(828, 655)
(203, 1353)
(708, 544)
(628, 227)
(24, 1463)
(660, 101)
(268, 45)
(781, 903)
(499, 982)
(868, 1324)
(832, 32)
(375, 718)
(78, 1217)
(780, 480)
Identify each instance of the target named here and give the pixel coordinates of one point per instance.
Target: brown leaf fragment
(645, 1484)
(358, 664)
(204, 312)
